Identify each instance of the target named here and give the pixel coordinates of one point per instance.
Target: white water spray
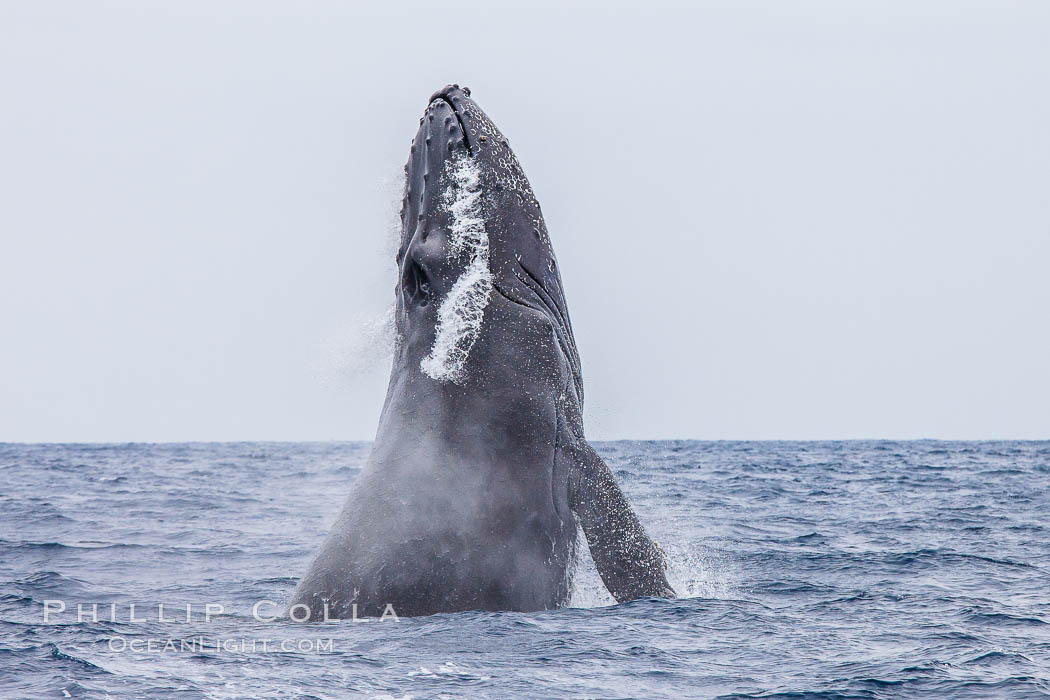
(461, 313)
(693, 570)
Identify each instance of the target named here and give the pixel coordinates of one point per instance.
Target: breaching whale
(480, 470)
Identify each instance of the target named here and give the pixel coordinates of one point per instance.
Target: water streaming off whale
(462, 312)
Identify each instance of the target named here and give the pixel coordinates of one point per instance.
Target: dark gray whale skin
(468, 498)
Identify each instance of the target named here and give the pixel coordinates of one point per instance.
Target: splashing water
(461, 313)
(356, 347)
(692, 570)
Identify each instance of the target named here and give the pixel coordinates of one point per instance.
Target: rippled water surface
(806, 569)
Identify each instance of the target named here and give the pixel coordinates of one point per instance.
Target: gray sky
(774, 220)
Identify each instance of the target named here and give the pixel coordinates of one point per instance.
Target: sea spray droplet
(461, 313)
(356, 347)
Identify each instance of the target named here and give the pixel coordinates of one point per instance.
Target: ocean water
(805, 569)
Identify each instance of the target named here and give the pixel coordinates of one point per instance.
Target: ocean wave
(846, 569)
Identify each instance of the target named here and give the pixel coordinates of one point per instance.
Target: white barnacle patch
(461, 313)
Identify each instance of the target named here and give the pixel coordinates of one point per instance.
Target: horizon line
(597, 440)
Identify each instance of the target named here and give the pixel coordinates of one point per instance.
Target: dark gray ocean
(805, 569)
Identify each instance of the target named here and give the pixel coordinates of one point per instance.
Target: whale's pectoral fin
(630, 563)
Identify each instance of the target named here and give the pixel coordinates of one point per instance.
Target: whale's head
(473, 240)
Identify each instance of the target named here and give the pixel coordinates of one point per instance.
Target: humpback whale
(480, 473)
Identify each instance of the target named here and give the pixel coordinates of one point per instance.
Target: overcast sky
(774, 220)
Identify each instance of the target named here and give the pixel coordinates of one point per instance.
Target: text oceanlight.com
(218, 645)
